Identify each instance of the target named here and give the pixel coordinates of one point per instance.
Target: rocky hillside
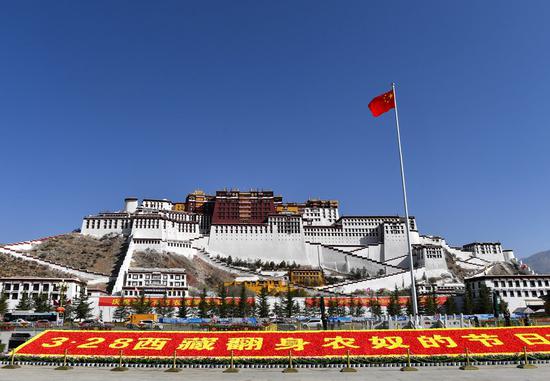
(539, 262)
(199, 273)
(454, 268)
(99, 255)
(11, 266)
(506, 268)
(104, 255)
(500, 268)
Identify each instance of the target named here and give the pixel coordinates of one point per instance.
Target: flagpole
(407, 222)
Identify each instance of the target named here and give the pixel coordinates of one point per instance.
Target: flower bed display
(303, 344)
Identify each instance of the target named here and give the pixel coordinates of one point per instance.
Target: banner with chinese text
(115, 301)
(265, 344)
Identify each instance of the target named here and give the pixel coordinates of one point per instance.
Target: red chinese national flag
(382, 103)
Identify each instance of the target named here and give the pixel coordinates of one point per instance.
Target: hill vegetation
(459, 272)
(78, 251)
(104, 255)
(506, 268)
(11, 266)
(200, 274)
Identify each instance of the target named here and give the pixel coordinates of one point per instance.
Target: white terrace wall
(336, 260)
(253, 242)
(373, 252)
(334, 235)
(119, 283)
(402, 261)
(355, 249)
(260, 242)
(401, 280)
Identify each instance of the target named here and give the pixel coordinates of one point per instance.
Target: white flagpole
(407, 222)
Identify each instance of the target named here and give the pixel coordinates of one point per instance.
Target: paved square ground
(500, 373)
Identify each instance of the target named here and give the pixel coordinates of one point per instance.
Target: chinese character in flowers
(153, 343)
(289, 343)
(436, 341)
(339, 342)
(198, 343)
(485, 339)
(244, 343)
(388, 342)
(533, 339)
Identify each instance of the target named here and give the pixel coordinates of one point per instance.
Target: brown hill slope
(199, 273)
(82, 252)
(11, 266)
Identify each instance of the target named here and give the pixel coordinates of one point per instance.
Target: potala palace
(258, 225)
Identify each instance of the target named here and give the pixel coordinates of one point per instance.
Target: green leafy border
(283, 361)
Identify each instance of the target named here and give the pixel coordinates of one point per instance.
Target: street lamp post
(323, 312)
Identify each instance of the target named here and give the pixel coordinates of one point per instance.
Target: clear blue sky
(107, 99)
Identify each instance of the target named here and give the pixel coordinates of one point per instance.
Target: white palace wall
(165, 230)
(329, 235)
(401, 280)
(402, 261)
(493, 257)
(395, 241)
(336, 260)
(376, 243)
(260, 242)
(371, 252)
(99, 226)
(466, 255)
(266, 243)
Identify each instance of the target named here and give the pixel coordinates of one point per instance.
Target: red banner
(265, 344)
(114, 301)
(365, 301)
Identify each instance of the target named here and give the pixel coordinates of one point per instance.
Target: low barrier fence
(396, 362)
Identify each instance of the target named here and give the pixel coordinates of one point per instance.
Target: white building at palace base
(518, 291)
(155, 282)
(13, 288)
